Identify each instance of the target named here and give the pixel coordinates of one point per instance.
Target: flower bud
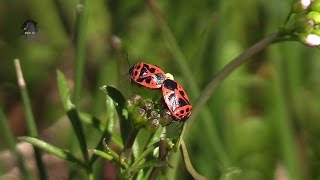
(136, 99)
(300, 5)
(304, 25)
(147, 104)
(316, 31)
(310, 39)
(130, 106)
(154, 114)
(169, 76)
(315, 16)
(153, 125)
(315, 5)
(139, 117)
(166, 117)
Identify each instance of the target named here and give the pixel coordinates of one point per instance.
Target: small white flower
(312, 40)
(305, 3)
(169, 76)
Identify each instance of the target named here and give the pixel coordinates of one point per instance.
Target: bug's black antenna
(128, 59)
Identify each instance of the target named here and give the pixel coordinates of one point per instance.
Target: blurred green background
(266, 114)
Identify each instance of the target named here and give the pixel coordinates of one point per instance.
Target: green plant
(144, 140)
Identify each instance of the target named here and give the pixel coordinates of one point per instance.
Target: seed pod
(136, 99)
(153, 125)
(166, 117)
(139, 117)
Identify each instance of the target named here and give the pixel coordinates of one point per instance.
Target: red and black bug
(176, 100)
(147, 75)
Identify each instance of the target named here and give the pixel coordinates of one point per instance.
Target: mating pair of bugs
(174, 96)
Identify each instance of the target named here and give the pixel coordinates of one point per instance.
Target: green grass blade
(73, 115)
(64, 91)
(31, 124)
(77, 126)
(81, 26)
(52, 149)
(11, 142)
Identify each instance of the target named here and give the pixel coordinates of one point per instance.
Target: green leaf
(118, 98)
(157, 136)
(111, 112)
(52, 149)
(77, 127)
(101, 154)
(93, 121)
(143, 155)
(110, 155)
(108, 129)
(100, 126)
(72, 113)
(64, 91)
(154, 163)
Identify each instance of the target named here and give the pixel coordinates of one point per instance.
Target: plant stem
(114, 155)
(128, 144)
(80, 37)
(228, 69)
(162, 155)
(31, 124)
(145, 153)
(188, 164)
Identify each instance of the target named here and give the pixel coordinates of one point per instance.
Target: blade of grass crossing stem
(11, 142)
(73, 115)
(31, 125)
(81, 30)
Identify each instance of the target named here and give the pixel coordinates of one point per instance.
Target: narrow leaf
(52, 149)
(119, 99)
(72, 113)
(101, 154)
(108, 129)
(93, 121)
(64, 91)
(154, 163)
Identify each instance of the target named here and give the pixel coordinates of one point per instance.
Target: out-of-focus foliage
(277, 92)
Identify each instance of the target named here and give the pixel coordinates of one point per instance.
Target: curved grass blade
(52, 150)
(188, 164)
